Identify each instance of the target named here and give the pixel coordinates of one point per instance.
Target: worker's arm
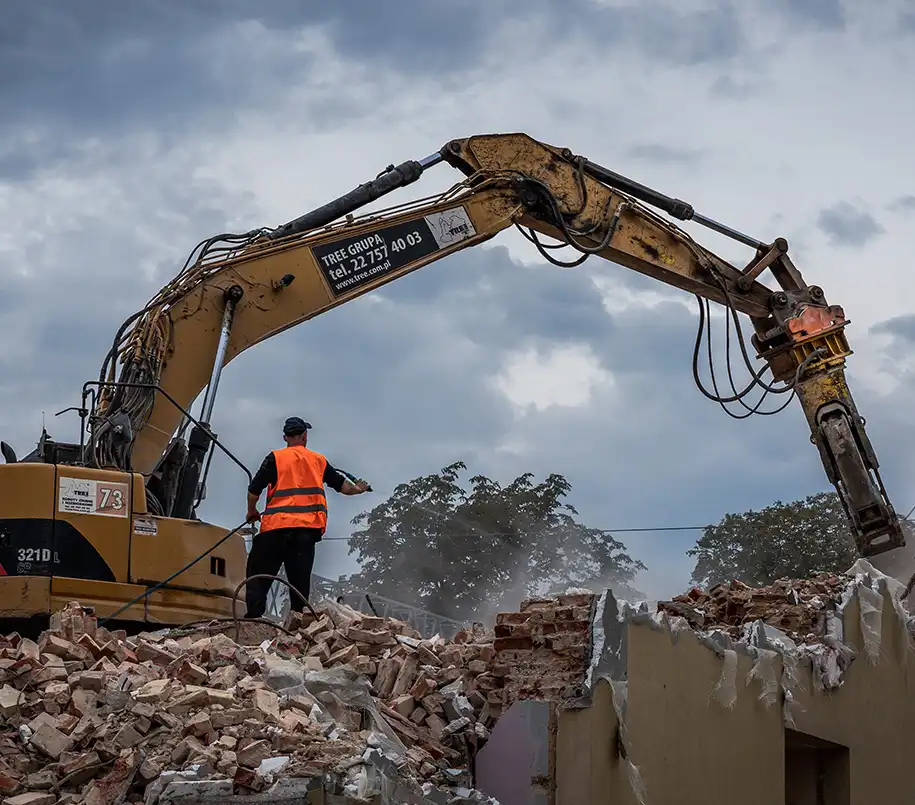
(336, 481)
(265, 475)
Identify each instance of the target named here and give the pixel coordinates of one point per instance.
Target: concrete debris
(360, 706)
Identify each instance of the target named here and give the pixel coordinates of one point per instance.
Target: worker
(295, 517)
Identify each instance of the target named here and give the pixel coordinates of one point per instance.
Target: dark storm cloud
(109, 65)
(80, 271)
(902, 327)
(547, 302)
(448, 36)
(105, 68)
(846, 225)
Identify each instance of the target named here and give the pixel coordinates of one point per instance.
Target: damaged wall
(701, 726)
(680, 713)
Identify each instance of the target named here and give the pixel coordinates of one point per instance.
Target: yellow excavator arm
(238, 290)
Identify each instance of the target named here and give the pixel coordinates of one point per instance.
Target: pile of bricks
(797, 607)
(92, 715)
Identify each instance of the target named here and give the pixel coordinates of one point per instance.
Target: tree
(794, 539)
(458, 553)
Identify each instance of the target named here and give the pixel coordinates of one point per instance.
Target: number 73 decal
(88, 496)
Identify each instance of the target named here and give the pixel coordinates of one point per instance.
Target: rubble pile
(797, 607)
(92, 715)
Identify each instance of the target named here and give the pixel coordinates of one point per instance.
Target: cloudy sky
(130, 131)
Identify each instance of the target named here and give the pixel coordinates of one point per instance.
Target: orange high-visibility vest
(297, 499)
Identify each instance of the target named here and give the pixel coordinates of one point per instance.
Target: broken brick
(251, 755)
(32, 798)
(50, 741)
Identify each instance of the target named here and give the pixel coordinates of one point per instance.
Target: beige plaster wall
(691, 749)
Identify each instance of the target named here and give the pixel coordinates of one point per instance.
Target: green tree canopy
(456, 552)
(785, 539)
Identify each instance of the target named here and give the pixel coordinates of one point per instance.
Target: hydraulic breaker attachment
(812, 348)
(837, 429)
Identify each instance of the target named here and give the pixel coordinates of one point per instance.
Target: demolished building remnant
(800, 619)
(543, 649)
(785, 648)
(685, 700)
(363, 709)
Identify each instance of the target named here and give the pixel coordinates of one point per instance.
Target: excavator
(110, 522)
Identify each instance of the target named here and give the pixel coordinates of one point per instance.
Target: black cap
(295, 425)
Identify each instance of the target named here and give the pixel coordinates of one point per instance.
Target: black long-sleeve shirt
(266, 475)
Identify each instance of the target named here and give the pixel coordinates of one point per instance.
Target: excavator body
(72, 533)
(113, 518)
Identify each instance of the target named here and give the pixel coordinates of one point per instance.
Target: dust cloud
(508, 597)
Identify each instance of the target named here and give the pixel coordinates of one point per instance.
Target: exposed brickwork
(542, 651)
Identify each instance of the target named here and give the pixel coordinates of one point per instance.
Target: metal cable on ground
(371, 605)
(207, 623)
(265, 576)
(162, 583)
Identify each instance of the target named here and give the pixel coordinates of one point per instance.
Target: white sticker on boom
(84, 496)
(146, 526)
(450, 226)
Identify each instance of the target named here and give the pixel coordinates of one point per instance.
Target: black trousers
(292, 547)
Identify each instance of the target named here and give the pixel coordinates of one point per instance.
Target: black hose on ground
(280, 579)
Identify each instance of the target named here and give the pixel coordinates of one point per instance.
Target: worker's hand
(253, 516)
(362, 486)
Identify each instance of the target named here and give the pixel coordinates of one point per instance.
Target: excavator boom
(281, 277)
(238, 290)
